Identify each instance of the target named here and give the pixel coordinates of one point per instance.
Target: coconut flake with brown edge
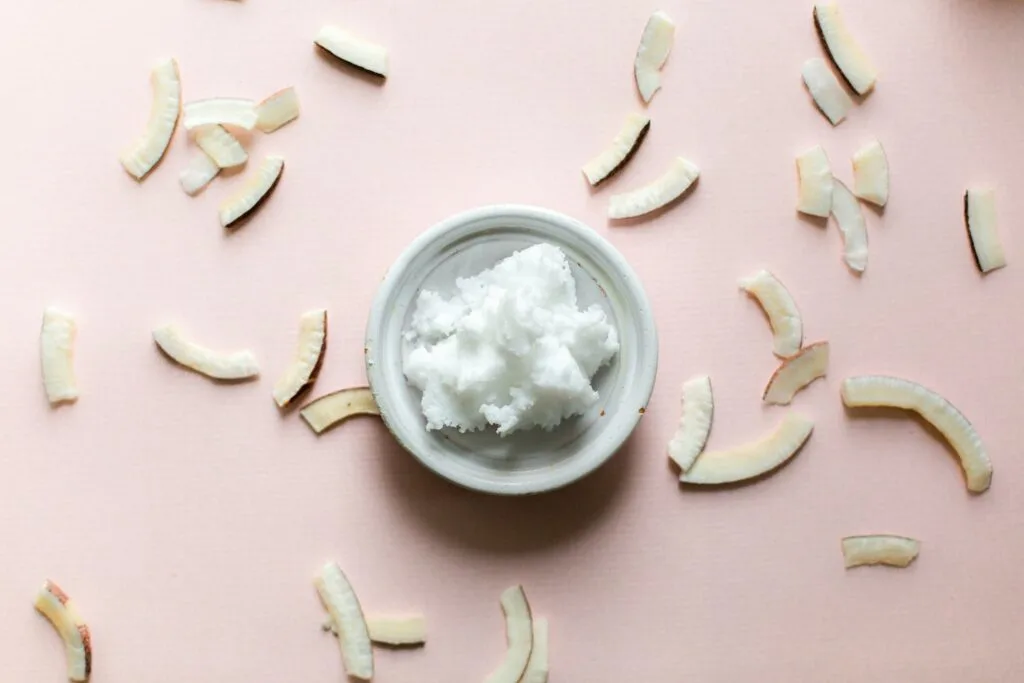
(405, 631)
(795, 373)
(256, 189)
(363, 54)
(519, 636)
(893, 392)
(55, 605)
(622, 149)
(980, 215)
(845, 52)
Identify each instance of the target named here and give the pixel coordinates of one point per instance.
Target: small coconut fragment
(330, 409)
(58, 608)
(895, 551)
(147, 151)
(662, 191)
(342, 604)
(397, 631)
(256, 189)
(796, 373)
(828, 95)
(537, 668)
(518, 633)
(363, 54)
(220, 111)
(280, 108)
(221, 146)
(980, 215)
(655, 46)
(752, 459)
(871, 174)
(57, 352)
(695, 423)
(199, 173)
(814, 175)
(844, 51)
(309, 355)
(892, 392)
(622, 149)
(225, 366)
(852, 227)
(780, 307)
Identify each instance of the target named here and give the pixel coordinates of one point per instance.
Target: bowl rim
(628, 280)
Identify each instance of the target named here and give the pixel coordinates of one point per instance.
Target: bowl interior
(530, 460)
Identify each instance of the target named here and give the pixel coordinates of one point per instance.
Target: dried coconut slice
(519, 634)
(780, 307)
(662, 191)
(852, 227)
(828, 95)
(622, 149)
(892, 392)
(280, 108)
(753, 459)
(980, 215)
(226, 366)
(537, 668)
(814, 175)
(796, 373)
(397, 631)
(256, 189)
(309, 355)
(842, 49)
(655, 46)
(220, 111)
(199, 173)
(871, 174)
(363, 54)
(895, 551)
(695, 423)
(221, 146)
(341, 603)
(147, 151)
(55, 605)
(57, 351)
(336, 407)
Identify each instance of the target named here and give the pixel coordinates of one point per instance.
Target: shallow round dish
(534, 460)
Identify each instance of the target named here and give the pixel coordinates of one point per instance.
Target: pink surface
(188, 518)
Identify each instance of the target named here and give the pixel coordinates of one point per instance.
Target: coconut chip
(892, 392)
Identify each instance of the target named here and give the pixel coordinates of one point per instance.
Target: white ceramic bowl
(535, 460)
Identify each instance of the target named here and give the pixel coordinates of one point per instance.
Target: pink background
(188, 518)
